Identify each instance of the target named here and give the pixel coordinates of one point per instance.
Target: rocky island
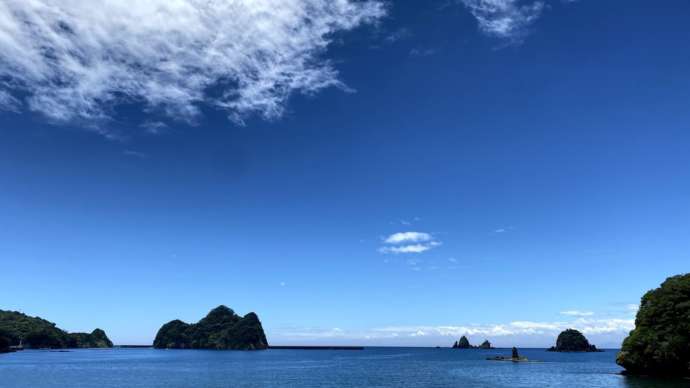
(464, 343)
(514, 357)
(21, 330)
(572, 340)
(660, 343)
(221, 329)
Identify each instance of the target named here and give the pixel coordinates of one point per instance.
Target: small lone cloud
(397, 35)
(416, 52)
(408, 242)
(509, 20)
(135, 154)
(408, 237)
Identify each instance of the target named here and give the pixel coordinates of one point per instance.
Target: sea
(371, 367)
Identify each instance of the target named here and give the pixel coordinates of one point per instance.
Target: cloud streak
(73, 60)
(408, 242)
(505, 19)
(577, 313)
(408, 237)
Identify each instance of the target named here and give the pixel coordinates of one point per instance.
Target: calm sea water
(372, 367)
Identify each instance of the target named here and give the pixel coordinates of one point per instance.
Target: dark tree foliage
(572, 340)
(35, 332)
(660, 343)
(4, 342)
(221, 329)
(96, 339)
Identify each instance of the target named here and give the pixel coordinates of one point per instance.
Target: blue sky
(396, 173)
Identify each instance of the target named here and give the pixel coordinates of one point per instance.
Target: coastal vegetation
(34, 332)
(4, 342)
(660, 343)
(221, 329)
(571, 340)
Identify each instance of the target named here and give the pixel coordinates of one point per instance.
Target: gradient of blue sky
(550, 168)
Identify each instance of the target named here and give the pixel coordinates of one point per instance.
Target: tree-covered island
(20, 330)
(660, 343)
(221, 329)
(571, 340)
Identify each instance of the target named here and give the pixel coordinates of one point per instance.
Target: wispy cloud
(505, 19)
(73, 60)
(577, 313)
(135, 154)
(8, 102)
(422, 52)
(407, 237)
(408, 242)
(154, 127)
(399, 34)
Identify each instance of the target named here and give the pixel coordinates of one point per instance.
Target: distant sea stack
(660, 343)
(221, 329)
(463, 343)
(486, 345)
(572, 340)
(21, 330)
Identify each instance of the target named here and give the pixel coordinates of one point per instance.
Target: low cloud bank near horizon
(601, 332)
(72, 60)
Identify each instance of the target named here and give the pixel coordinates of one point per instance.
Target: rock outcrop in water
(221, 329)
(660, 343)
(37, 333)
(572, 340)
(463, 343)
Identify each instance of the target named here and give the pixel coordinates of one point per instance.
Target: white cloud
(577, 313)
(412, 248)
(408, 242)
(586, 326)
(407, 237)
(633, 308)
(600, 331)
(505, 19)
(8, 103)
(75, 60)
